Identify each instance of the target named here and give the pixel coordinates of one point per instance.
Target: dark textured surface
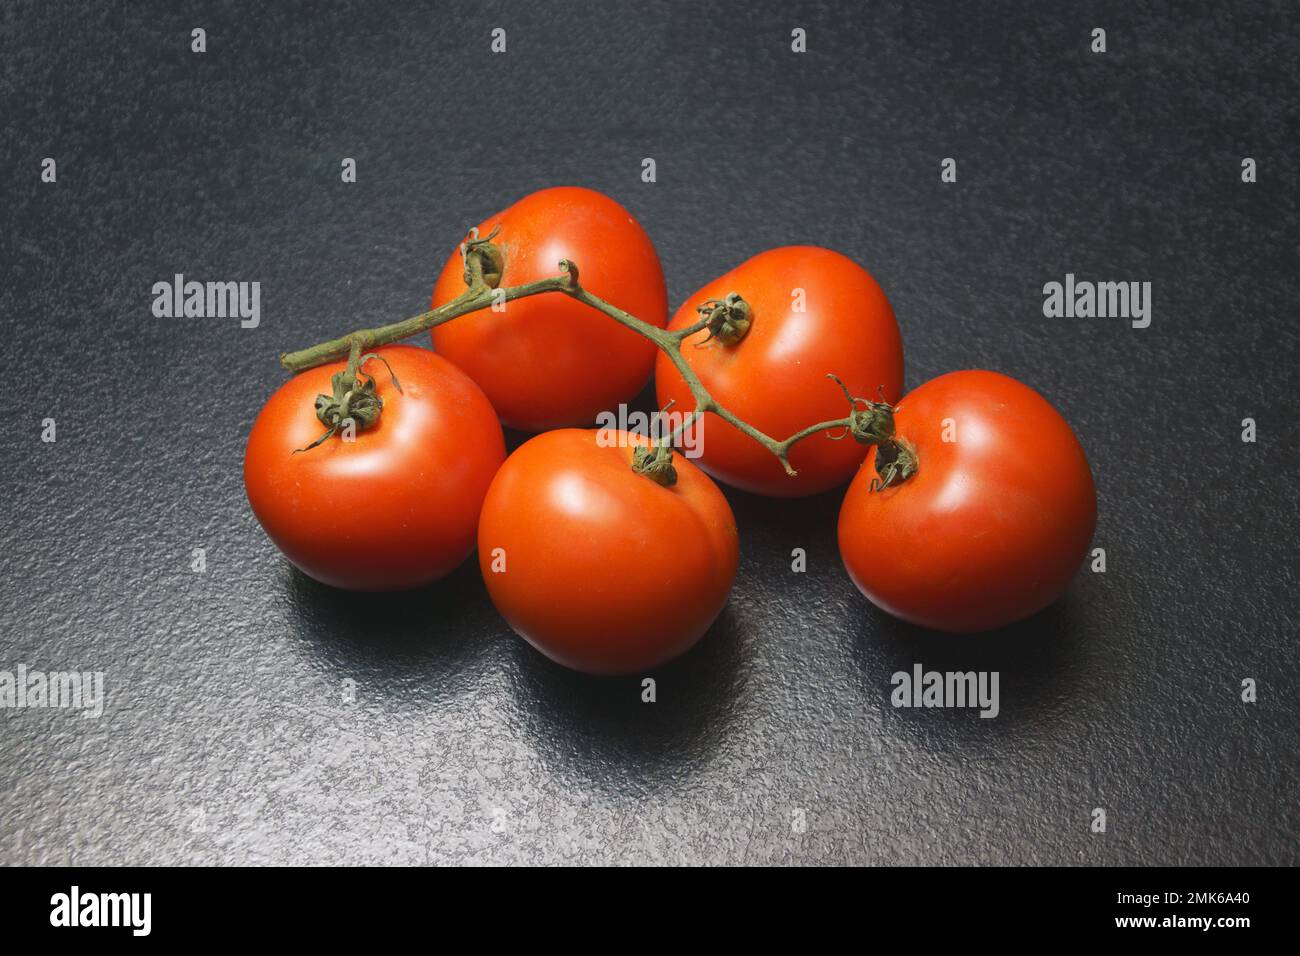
(227, 737)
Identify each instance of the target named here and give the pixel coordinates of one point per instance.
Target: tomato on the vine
(397, 506)
(601, 568)
(548, 360)
(812, 311)
(995, 519)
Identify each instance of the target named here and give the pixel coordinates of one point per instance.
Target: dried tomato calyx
(728, 319)
(352, 398)
(655, 463)
(895, 463)
(482, 256)
(872, 423)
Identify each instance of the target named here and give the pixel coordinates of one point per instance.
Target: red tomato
(396, 508)
(994, 522)
(600, 568)
(548, 360)
(774, 378)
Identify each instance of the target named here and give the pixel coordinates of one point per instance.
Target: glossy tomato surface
(396, 508)
(991, 527)
(813, 312)
(548, 360)
(599, 568)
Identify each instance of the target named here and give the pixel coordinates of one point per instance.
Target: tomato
(548, 360)
(812, 312)
(995, 520)
(600, 568)
(396, 508)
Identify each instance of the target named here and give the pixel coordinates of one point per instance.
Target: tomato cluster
(970, 502)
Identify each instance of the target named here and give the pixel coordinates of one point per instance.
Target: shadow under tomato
(1039, 662)
(599, 729)
(437, 634)
(812, 516)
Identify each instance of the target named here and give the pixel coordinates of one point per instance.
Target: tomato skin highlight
(775, 378)
(549, 361)
(606, 572)
(991, 527)
(398, 507)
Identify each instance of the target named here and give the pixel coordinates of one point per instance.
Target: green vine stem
(726, 321)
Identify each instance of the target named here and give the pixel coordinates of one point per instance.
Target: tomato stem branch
(483, 271)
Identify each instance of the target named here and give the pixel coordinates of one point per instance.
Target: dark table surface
(227, 736)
